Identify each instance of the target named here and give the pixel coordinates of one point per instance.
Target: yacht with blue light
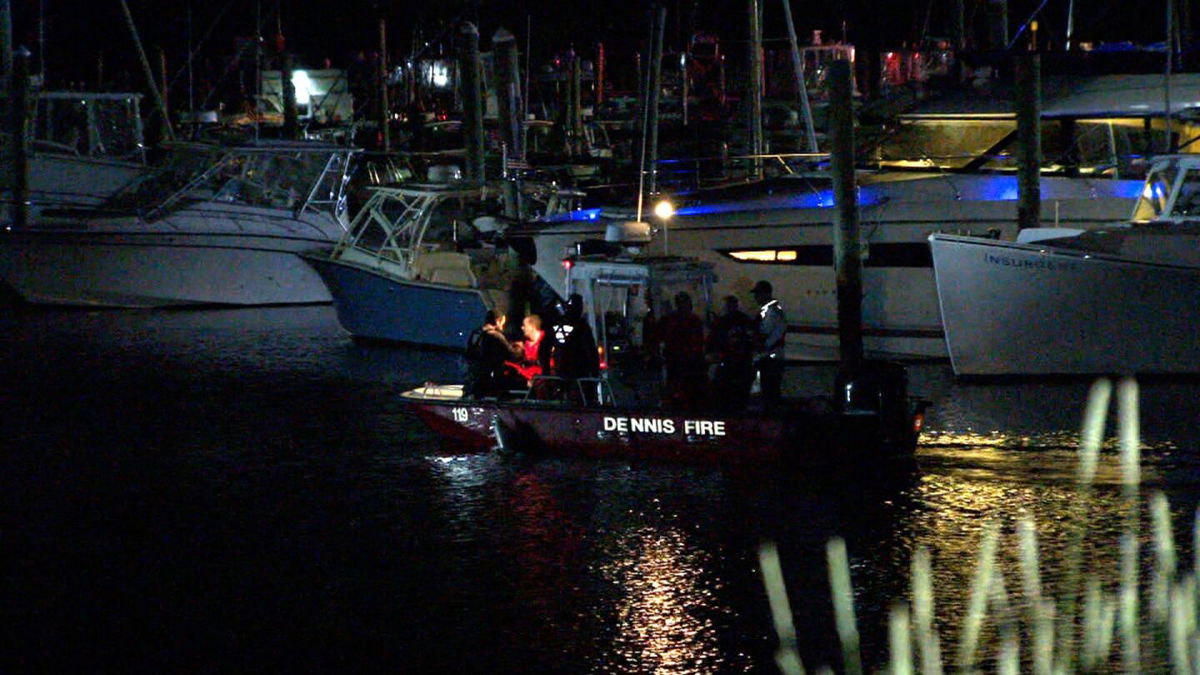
(941, 172)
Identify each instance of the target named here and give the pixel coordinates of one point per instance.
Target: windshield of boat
(100, 126)
(1187, 202)
(940, 143)
(1088, 147)
(270, 178)
(1153, 201)
(181, 166)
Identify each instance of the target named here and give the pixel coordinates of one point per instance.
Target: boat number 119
(460, 414)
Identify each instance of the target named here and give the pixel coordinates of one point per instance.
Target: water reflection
(664, 609)
(263, 457)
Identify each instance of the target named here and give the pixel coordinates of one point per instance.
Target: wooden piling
(508, 71)
(6, 44)
(164, 79)
(291, 117)
(755, 83)
(1029, 140)
(385, 112)
(997, 24)
(598, 84)
(472, 100)
(508, 98)
(19, 101)
(847, 249)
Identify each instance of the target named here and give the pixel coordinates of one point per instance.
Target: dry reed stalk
(900, 640)
(981, 586)
(1043, 637)
(1173, 600)
(786, 657)
(929, 649)
(843, 605)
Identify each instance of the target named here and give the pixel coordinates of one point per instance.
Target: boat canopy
(402, 228)
(619, 293)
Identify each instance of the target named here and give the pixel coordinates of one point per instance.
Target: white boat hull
(197, 257)
(1026, 309)
(900, 311)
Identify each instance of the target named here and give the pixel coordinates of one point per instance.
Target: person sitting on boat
(574, 353)
(487, 351)
(682, 339)
(533, 353)
(731, 347)
(772, 332)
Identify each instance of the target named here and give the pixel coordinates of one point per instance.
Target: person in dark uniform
(686, 384)
(573, 353)
(731, 347)
(487, 351)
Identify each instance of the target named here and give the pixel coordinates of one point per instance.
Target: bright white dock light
(664, 209)
(302, 85)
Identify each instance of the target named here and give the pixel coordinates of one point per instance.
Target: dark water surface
(243, 491)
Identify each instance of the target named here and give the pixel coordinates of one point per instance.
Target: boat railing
(334, 178)
(589, 391)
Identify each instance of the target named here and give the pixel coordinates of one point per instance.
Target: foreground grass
(1134, 627)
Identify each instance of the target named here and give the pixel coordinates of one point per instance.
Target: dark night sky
(75, 33)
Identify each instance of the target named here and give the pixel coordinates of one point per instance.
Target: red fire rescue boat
(871, 417)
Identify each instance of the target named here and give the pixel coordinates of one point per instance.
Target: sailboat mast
(1070, 23)
(154, 91)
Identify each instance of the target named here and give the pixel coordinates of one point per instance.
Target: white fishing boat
(421, 263)
(941, 172)
(85, 146)
(211, 226)
(1106, 300)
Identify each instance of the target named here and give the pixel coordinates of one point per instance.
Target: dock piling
(1029, 140)
(472, 100)
(847, 247)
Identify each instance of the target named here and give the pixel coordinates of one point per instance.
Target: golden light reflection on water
(666, 605)
(1050, 440)
(969, 480)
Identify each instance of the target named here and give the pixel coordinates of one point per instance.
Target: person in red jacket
(535, 352)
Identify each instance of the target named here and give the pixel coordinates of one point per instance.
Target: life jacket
(475, 345)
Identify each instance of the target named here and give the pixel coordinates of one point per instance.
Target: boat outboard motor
(879, 387)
